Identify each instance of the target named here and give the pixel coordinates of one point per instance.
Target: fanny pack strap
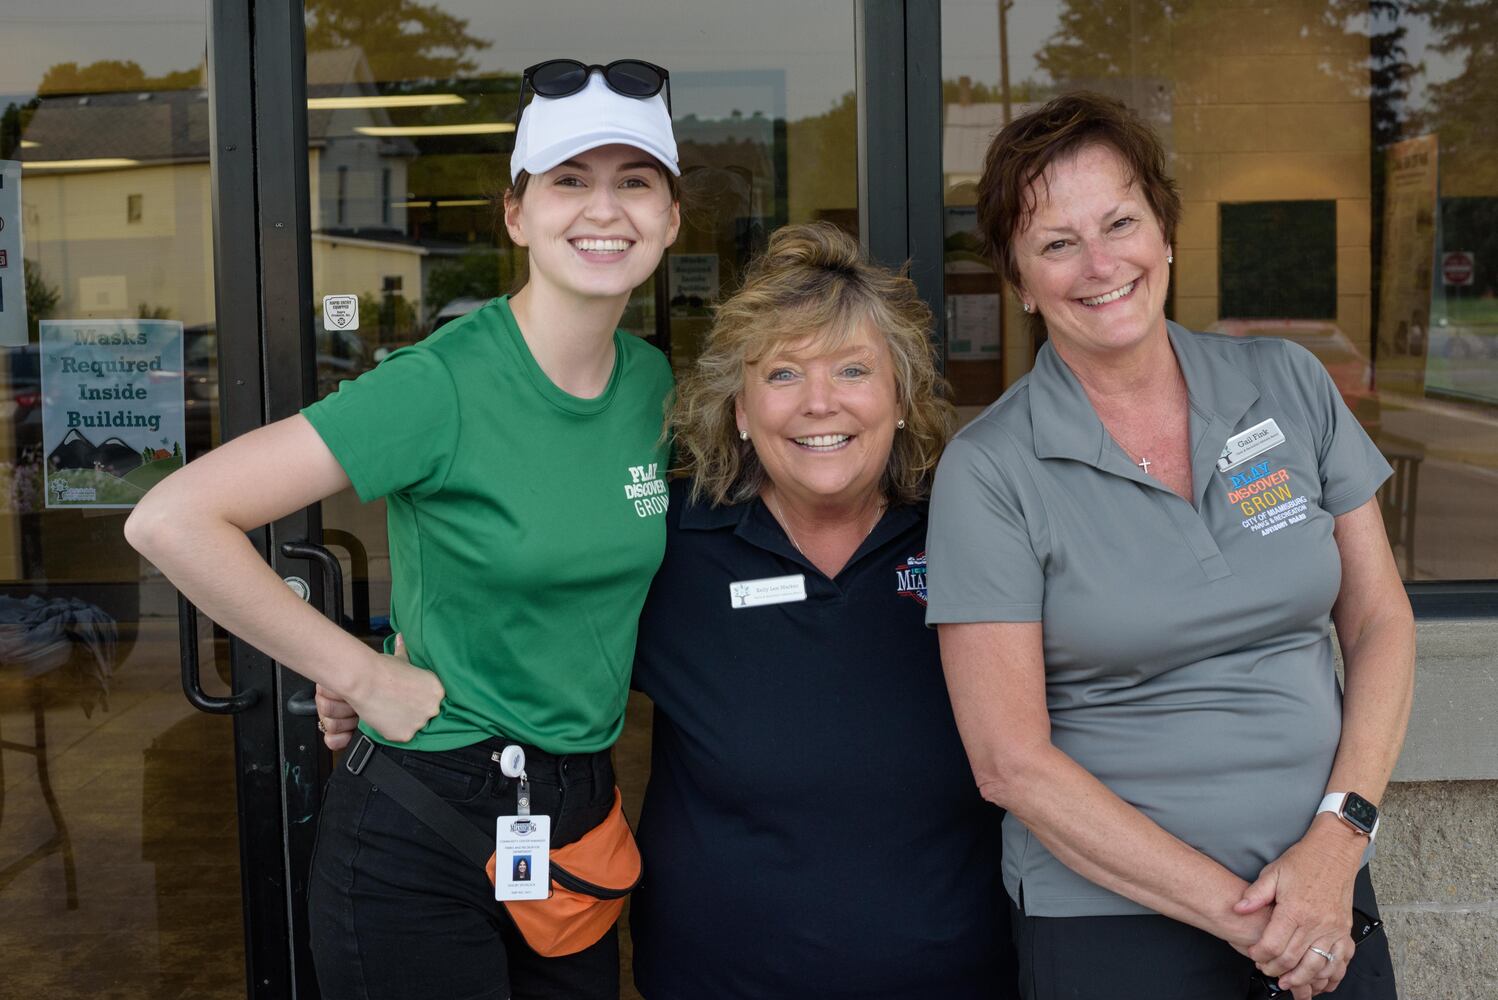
(407, 791)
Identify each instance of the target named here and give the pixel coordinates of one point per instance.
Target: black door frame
(267, 357)
(263, 282)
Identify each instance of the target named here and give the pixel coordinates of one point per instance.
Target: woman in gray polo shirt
(1185, 514)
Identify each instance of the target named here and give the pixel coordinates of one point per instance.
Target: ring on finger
(1330, 956)
(323, 728)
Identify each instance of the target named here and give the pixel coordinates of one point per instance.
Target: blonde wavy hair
(812, 284)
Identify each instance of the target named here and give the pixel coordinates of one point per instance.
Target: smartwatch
(1352, 809)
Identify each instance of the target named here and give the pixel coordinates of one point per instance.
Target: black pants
(1156, 958)
(398, 913)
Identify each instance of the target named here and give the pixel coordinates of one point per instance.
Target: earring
(1027, 307)
(900, 424)
(1170, 258)
(743, 435)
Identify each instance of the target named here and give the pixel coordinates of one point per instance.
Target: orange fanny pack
(589, 877)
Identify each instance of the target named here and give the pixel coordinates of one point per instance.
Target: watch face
(1360, 812)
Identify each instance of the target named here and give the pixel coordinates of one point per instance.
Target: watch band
(1333, 802)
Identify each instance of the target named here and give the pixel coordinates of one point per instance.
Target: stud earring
(1027, 307)
(743, 435)
(1170, 258)
(900, 424)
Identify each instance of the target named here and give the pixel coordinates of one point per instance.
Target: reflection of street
(1455, 534)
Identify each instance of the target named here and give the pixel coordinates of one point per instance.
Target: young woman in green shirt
(519, 453)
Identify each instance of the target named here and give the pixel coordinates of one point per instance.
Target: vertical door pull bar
(192, 683)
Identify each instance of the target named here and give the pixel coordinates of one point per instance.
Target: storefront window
(119, 852)
(1335, 163)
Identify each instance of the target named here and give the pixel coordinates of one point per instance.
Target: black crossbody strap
(410, 794)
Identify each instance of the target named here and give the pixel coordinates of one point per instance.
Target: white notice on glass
(340, 312)
(12, 281)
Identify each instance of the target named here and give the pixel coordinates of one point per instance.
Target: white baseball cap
(555, 129)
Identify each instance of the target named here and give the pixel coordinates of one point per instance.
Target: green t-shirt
(525, 525)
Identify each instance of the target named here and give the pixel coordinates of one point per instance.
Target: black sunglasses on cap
(627, 77)
(1363, 927)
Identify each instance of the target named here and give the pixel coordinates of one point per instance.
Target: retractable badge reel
(522, 842)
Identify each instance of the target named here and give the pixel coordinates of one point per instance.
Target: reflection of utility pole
(1004, 6)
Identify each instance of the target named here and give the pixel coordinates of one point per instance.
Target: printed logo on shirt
(1266, 499)
(646, 490)
(910, 578)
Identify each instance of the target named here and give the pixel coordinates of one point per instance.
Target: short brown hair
(1019, 155)
(812, 281)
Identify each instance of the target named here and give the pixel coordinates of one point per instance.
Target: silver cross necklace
(1144, 464)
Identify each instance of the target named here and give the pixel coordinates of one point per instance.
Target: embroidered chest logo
(646, 490)
(1266, 499)
(910, 578)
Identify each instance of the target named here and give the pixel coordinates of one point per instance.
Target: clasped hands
(1307, 944)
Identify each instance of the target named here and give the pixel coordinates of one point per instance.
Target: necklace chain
(786, 524)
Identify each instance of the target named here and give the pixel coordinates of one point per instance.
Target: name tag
(1250, 444)
(522, 857)
(770, 590)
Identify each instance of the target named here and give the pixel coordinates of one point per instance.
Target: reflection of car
(455, 309)
(341, 354)
(1350, 369)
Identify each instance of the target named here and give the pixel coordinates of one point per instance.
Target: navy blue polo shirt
(811, 827)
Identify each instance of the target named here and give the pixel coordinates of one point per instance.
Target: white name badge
(522, 857)
(1250, 444)
(770, 590)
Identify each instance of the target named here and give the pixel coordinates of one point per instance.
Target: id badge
(522, 861)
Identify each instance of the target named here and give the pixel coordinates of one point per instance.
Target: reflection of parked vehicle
(1350, 369)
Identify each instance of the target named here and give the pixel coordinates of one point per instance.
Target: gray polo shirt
(1188, 654)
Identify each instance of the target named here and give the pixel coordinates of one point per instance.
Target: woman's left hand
(336, 718)
(1310, 886)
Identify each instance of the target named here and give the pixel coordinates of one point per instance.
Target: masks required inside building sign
(112, 409)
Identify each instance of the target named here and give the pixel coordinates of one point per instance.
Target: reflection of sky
(811, 42)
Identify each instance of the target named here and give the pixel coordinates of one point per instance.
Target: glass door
(410, 124)
(119, 855)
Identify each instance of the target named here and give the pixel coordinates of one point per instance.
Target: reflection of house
(117, 199)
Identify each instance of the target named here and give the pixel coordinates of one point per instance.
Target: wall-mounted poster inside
(1410, 179)
(112, 409)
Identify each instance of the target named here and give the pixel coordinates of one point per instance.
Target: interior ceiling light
(474, 128)
(382, 101)
(103, 163)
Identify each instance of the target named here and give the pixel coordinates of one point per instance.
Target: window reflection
(1335, 163)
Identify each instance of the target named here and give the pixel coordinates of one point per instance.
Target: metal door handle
(304, 702)
(192, 683)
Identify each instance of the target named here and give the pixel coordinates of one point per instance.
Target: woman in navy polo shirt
(810, 828)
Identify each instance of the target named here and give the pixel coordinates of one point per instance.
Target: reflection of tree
(401, 39)
(112, 76)
(13, 122)
(474, 275)
(1106, 39)
(1463, 109)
